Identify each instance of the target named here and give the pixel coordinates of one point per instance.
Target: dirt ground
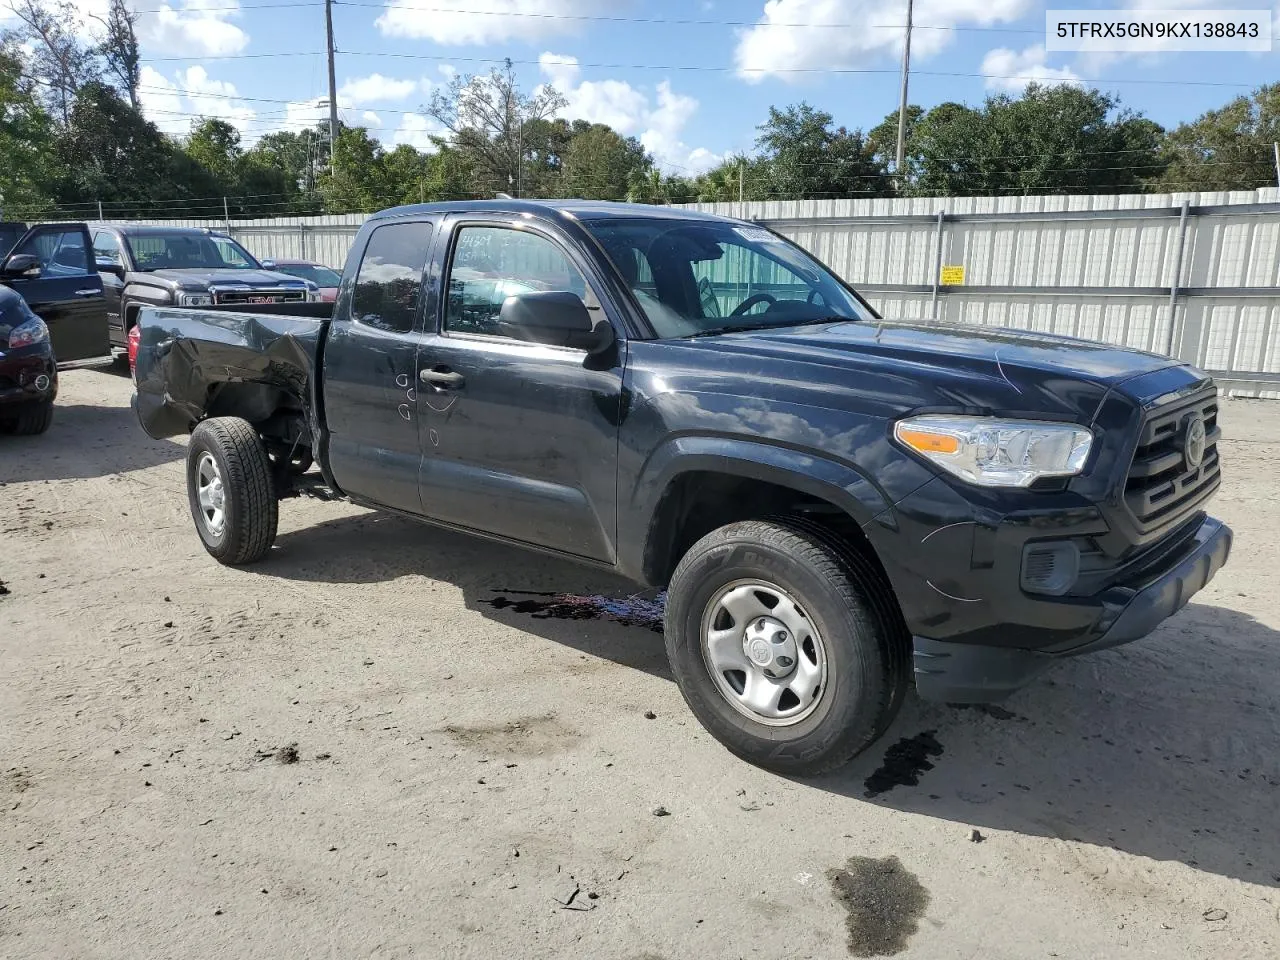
(373, 745)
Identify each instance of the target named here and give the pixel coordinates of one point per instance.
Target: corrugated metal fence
(1193, 275)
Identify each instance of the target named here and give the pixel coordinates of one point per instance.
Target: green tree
(651, 185)
(487, 117)
(1230, 148)
(119, 50)
(1056, 139)
(111, 153)
(807, 158)
(356, 181)
(598, 162)
(29, 170)
(215, 145)
(57, 60)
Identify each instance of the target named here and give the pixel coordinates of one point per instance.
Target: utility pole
(1277, 149)
(902, 105)
(333, 86)
(741, 167)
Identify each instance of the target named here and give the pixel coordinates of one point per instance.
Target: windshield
(695, 279)
(320, 276)
(188, 251)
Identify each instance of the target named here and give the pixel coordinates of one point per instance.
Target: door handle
(88, 293)
(444, 379)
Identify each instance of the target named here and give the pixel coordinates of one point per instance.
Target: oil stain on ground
(904, 762)
(633, 611)
(885, 903)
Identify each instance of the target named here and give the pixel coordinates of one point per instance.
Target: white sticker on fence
(1130, 31)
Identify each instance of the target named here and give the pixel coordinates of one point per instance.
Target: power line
(676, 21)
(704, 68)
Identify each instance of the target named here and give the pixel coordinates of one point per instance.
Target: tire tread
(248, 474)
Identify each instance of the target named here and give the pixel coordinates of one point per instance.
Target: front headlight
(997, 453)
(313, 292)
(194, 300)
(28, 334)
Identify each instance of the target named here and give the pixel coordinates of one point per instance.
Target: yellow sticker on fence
(953, 276)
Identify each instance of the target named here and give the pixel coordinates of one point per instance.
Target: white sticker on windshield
(756, 235)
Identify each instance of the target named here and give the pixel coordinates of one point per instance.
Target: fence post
(100, 217)
(937, 264)
(1176, 279)
(226, 215)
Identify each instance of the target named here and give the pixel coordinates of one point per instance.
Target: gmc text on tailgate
(837, 504)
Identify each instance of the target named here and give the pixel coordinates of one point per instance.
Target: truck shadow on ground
(84, 442)
(1164, 749)
(551, 598)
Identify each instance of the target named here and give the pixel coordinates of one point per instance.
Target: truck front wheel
(233, 501)
(780, 647)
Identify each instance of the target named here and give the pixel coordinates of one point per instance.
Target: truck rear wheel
(229, 487)
(782, 646)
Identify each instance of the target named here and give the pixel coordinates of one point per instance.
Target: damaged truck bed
(257, 365)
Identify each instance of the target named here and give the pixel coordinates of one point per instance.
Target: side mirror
(107, 265)
(268, 264)
(21, 266)
(558, 319)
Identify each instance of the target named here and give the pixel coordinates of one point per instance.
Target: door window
(61, 252)
(493, 263)
(231, 253)
(389, 282)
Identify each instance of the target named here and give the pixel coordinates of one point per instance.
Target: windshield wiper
(748, 328)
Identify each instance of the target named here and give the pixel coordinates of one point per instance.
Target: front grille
(1160, 486)
(259, 296)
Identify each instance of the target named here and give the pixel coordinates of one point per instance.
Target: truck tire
(784, 649)
(31, 418)
(233, 500)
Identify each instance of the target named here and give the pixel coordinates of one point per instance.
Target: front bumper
(27, 374)
(976, 673)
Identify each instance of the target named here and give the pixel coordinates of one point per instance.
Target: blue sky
(260, 63)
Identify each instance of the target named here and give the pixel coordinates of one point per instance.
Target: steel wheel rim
(211, 495)
(750, 628)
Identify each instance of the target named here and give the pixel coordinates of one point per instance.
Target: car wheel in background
(28, 419)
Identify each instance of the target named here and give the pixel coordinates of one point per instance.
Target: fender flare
(840, 484)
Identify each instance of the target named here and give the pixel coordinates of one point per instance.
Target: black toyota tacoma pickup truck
(145, 265)
(835, 503)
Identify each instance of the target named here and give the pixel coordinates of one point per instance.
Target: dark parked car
(326, 278)
(182, 266)
(835, 502)
(51, 310)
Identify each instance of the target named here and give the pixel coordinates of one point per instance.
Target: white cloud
(416, 130)
(371, 120)
(485, 21)
(630, 111)
(173, 104)
(1011, 71)
(842, 33)
(197, 28)
(376, 88)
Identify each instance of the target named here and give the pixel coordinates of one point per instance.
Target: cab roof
(574, 209)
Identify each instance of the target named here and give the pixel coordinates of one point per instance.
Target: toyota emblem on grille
(1193, 442)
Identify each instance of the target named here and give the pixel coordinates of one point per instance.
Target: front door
(109, 262)
(519, 439)
(63, 289)
(370, 370)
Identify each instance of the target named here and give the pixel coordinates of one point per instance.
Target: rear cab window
(388, 287)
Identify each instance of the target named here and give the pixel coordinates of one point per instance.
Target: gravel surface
(389, 741)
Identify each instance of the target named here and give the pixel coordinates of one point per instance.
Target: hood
(988, 367)
(197, 279)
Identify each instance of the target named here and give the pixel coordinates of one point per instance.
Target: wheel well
(698, 502)
(279, 416)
